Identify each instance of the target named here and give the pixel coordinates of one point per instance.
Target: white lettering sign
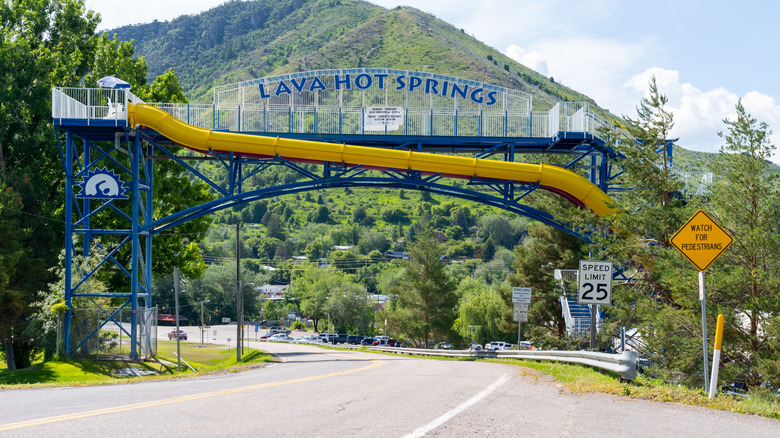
(521, 312)
(380, 118)
(595, 282)
(521, 295)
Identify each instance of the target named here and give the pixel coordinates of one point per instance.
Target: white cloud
(532, 60)
(698, 115)
(116, 13)
(594, 66)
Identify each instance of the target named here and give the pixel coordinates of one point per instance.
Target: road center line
(167, 401)
(449, 415)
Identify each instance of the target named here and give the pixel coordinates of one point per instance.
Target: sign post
(716, 356)
(594, 288)
(521, 297)
(701, 241)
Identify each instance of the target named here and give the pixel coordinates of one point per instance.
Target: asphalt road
(319, 392)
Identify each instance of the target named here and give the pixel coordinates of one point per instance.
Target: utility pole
(202, 327)
(176, 298)
(239, 294)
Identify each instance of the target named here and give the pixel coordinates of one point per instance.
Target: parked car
(278, 329)
(327, 337)
(367, 341)
(475, 347)
(182, 335)
(443, 346)
(355, 339)
(498, 345)
(280, 337)
(386, 342)
(341, 338)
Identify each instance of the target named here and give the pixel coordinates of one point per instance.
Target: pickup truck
(354, 339)
(327, 338)
(182, 335)
(278, 329)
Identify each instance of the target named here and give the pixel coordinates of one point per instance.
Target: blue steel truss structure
(113, 218)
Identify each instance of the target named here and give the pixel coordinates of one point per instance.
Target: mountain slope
(245, 40)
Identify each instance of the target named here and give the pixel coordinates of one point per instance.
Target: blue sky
(705, 54)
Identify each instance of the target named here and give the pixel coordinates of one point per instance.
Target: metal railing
(102, 104)
(695, 183)
(106, 105)
(623, 363)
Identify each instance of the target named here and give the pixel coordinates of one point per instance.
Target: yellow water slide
(550, 177)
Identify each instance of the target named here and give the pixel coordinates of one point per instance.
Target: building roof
(171, 318)
(397, 255)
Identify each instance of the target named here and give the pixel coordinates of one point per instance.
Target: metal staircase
(577, 316)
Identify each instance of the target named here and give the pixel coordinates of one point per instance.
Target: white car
(498, 345)
(280, 337)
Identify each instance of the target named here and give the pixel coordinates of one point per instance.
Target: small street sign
(521, 295)
(595, 282)
(701, 240)
(521, 312)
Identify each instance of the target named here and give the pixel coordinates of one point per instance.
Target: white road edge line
(449, 415)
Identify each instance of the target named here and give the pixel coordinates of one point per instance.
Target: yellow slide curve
(554, 178)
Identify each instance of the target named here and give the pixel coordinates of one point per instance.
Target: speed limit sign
(595, 283)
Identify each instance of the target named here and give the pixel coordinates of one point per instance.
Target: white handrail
(108, 104)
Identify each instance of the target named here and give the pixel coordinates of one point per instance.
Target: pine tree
(744, 281)
(427, 300)
(274, 228)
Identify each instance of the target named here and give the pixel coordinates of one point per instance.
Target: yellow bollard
(716, 355)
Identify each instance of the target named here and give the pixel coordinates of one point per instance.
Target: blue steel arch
(426, 185)
(334, 175)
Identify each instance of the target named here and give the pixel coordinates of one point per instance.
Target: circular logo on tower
(102, 184)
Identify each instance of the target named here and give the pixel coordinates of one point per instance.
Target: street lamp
(239, 295)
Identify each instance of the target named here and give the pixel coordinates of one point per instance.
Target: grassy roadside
(581, 380)
(204, 358)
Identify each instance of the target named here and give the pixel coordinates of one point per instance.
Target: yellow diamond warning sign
(701, 240)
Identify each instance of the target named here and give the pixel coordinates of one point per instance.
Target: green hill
(246, 40)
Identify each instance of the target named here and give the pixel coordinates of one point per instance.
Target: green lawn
(203, 357)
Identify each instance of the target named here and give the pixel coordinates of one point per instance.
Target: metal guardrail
(623, 364)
